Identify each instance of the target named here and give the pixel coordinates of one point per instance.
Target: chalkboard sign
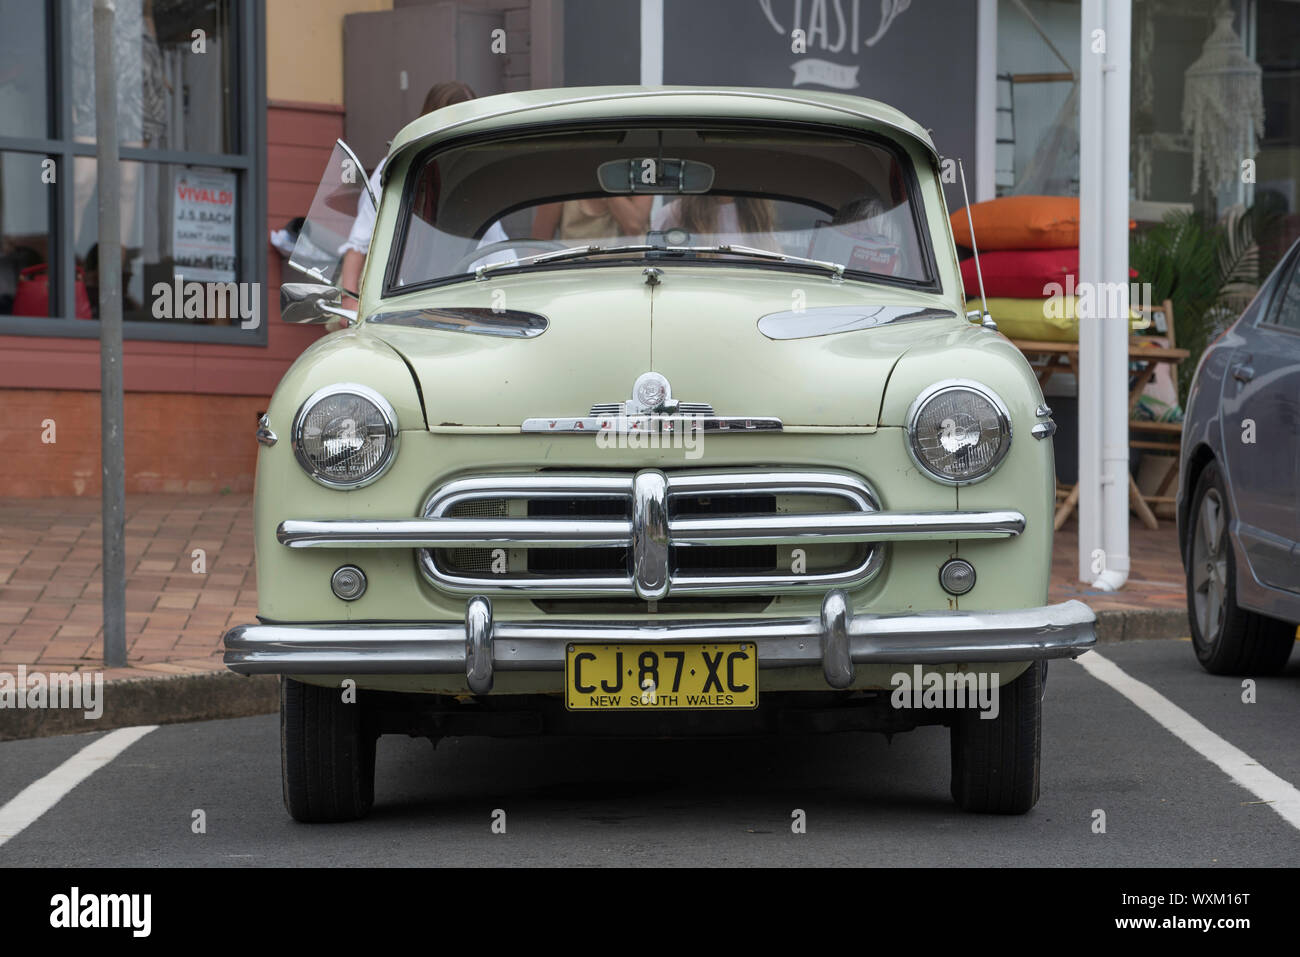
(918, 56)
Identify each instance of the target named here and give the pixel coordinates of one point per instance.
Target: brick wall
(174, 442)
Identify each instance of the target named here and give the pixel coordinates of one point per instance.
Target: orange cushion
(1021, 222)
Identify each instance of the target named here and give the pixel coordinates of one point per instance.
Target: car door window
(1286, 308)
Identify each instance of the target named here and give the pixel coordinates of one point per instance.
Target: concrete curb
(169, 699)
(1141, 624)
(161, 699)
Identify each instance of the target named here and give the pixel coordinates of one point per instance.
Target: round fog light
(957, 576)
(348, 582)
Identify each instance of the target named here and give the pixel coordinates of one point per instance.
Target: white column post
(1103, 277)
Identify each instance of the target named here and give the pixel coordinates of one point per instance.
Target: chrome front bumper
(837, 640)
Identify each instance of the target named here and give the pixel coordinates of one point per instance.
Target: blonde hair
(698, 214)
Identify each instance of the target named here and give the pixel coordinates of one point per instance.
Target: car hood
(698, 327)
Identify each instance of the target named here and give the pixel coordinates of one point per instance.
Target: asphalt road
(716, 802)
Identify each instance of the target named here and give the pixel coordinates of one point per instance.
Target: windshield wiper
(554, 255)
(836, 268)
(578, 252)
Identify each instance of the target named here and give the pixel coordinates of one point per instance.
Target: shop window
(190, 102)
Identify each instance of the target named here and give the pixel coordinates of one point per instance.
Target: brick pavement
(50, 589)
(50, 582)
(1155, 575)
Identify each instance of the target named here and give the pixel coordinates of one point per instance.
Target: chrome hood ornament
(651, 393)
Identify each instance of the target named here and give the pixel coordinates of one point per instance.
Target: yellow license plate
(636, 677)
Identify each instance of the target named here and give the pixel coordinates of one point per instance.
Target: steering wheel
(474, 255)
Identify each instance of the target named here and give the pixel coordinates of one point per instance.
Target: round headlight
(958, 431)
(345, 435)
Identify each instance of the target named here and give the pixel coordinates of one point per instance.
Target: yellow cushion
(1045, 320)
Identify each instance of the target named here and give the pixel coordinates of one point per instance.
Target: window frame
(248, 84)
(932, 284)
(1288, 272)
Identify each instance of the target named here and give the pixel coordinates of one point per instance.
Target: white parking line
(1272, 790)
(41, 795)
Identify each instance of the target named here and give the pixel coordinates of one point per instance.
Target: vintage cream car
(659, 414)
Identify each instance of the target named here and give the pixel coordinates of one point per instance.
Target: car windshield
(555, 199)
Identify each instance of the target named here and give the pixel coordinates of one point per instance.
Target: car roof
(507, 111)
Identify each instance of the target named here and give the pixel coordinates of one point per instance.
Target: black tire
(996, 761)
(1228, 639)
(327, 754)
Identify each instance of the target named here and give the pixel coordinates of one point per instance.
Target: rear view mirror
(655, 175)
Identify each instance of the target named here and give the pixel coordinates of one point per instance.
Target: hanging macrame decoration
(1223, 105)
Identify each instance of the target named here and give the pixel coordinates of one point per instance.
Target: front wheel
(1228, 639)
(996, 761)
(327, 754)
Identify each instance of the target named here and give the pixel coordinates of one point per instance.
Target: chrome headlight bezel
(957, 385)
(386, 412)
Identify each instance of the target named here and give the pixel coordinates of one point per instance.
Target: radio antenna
(986, 320)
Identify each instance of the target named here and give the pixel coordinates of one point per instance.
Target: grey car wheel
(1209, 566)
(996, 762)
(1228, 639)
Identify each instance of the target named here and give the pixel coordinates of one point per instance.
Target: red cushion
(1022, 273)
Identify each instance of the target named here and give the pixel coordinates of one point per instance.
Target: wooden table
(1048, 358)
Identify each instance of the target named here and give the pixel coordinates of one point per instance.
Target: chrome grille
(610, 565)
(475, 559)
(620, 408)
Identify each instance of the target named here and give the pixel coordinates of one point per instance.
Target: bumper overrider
(837, 639)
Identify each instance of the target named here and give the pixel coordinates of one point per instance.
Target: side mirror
(312, 303)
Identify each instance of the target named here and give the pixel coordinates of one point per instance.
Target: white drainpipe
(1090, 215)
(1103, 263)
(652, 42)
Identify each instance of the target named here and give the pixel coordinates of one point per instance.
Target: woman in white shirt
(358, 245)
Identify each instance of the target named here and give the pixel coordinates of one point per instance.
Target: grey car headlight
(345, 435)
(958, 431)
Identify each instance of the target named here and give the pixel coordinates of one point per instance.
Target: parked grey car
(1238, 494)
